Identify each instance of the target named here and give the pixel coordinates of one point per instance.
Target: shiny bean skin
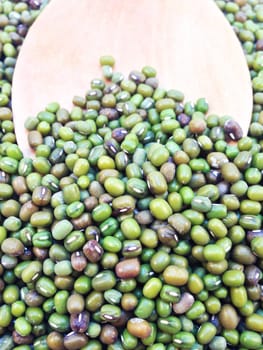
(184, 304)
(75, 304)
(12, 246)
(139, 328)
(228, 317)
(74, 341)
(93, 251)
(128, 268)
(79, 322)
(108, 334)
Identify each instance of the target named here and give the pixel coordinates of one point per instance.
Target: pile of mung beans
(138, 224)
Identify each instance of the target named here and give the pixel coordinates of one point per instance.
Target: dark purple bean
(253, 234)
(253, 275)
(18, 339)
(34, 4)
(111, 147)
(183, 119)
(22, 29)
(119, 134)
(79, 322)
(214, 176)
(110, 113)
(112, 89)
(16, 39)
(137, 76)
(78, 261)
(259, 45)
(93, 251)
(233, 130)
(167, 236)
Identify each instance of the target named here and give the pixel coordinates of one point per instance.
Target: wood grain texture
(189, 42)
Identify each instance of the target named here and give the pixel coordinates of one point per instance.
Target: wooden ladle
(189, 42)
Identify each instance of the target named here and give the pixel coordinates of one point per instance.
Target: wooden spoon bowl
(190, 43)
